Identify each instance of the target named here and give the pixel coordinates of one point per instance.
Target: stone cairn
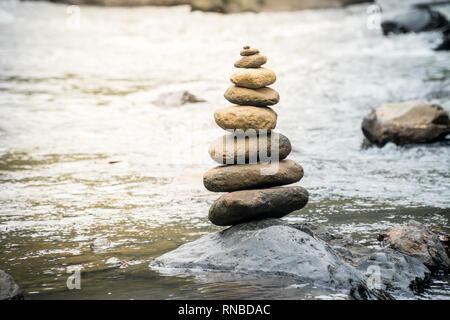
(253, 154)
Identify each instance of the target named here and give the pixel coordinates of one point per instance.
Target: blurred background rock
(225, 6)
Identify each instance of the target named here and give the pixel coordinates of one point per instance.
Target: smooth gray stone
(9, 290)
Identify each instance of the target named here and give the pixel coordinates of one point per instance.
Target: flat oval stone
(235, 148)
(246, 117)
(253, 78)
(252, 176)
(252, 97)
(253, 61)
(242, 206)
(249, 52)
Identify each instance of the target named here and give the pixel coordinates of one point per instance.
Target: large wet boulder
(269, 248)
(408, 122)
(417, 241)
(9, 290)
(399, 274)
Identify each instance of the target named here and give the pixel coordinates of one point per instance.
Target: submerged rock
(415, 240)
(407, 122)
(242, 206)
(269, 248)
(177, 98)
(401, 275)
(9, 290)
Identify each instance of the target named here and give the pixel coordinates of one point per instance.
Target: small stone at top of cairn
(253, 154)
(247, 51)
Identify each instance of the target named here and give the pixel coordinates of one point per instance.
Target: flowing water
(96, 174)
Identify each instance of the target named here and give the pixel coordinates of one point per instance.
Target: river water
(95, 174)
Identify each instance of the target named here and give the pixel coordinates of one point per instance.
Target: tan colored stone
(416, 240)
(253, 61)
(252, 97)
(234, 148)
(246, 117)
(249, 52)
(254, 78)
(252, 176)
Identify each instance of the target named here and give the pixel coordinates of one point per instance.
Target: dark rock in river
(274, 248)
(241, 206)
(399, 274)
(9, 290)
(177, 98)
(407, 122)
(269, 248)
(414, 20)
(415, 240)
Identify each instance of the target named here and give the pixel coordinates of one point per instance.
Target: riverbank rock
(415, 240)
(253, 61)
(243, 206)
(9, 290)
(269, 248)
(252, 176)
(237, 148)
(252, 97)
(176, 98)
(246, 117)
(407, 122)
(253, 78)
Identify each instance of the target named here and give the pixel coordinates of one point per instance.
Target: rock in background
(408, 122)
(225, 6)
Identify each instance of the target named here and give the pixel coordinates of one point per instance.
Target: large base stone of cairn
(268, 248)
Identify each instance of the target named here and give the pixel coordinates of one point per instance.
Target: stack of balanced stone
(252, 155)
